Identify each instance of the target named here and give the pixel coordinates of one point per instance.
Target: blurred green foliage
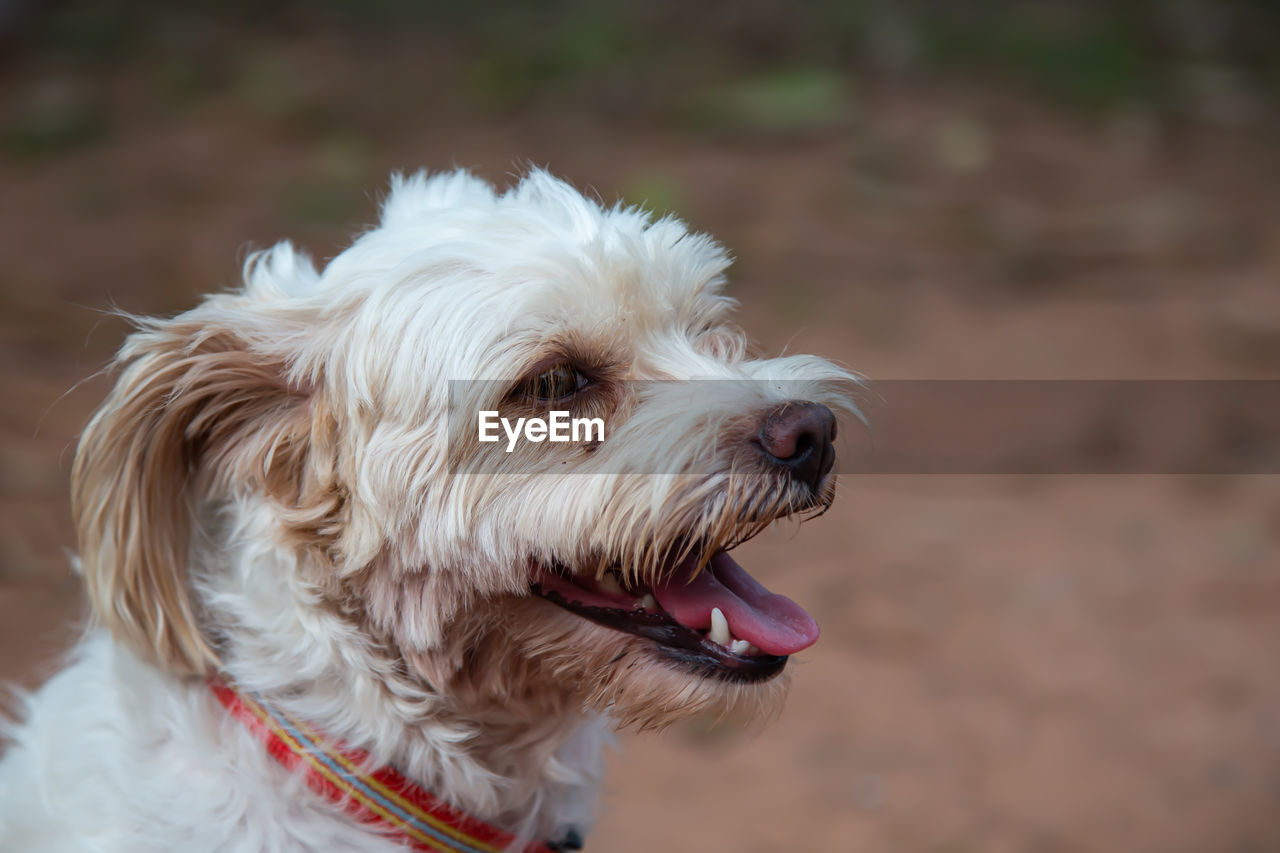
(57, 113)
(654, 192)
(783, 101)
(720, 65)
(532, 56)
(321, 204)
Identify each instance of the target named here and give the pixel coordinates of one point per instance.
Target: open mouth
(719, 621)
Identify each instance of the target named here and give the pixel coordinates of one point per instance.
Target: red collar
(380, 797)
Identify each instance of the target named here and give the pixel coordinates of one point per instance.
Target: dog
(329, 614)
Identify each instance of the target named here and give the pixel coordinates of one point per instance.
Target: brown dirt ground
(1008, 663)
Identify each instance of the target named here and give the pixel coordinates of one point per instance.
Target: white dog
(331, 618)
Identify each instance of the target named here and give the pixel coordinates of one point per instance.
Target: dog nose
(798, 436)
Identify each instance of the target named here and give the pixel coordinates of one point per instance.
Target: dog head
(338, 414)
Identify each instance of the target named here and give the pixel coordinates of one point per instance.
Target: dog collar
(382, 797)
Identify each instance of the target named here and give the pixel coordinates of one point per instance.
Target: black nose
(797, 436)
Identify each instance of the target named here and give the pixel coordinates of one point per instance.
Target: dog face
(344, 406)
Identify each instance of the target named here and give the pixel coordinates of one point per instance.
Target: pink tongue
(773, 623)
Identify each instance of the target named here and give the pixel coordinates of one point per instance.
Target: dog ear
(195, 412)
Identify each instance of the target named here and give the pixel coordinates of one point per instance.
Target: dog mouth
(719, 622)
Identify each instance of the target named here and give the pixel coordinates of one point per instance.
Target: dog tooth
(719, 628)
(739, 647)
(609, 583)
(648, 602)
(752, 650)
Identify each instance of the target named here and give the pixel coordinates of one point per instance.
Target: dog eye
(555, 384)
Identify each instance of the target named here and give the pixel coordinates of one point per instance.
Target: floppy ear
(195, 412)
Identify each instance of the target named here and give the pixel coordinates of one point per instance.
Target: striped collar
(380, 797)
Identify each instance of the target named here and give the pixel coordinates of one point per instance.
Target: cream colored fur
(269, 492)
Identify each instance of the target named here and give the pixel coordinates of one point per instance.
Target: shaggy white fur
(277, 490)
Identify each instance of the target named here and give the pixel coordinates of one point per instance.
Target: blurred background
(921, 190)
